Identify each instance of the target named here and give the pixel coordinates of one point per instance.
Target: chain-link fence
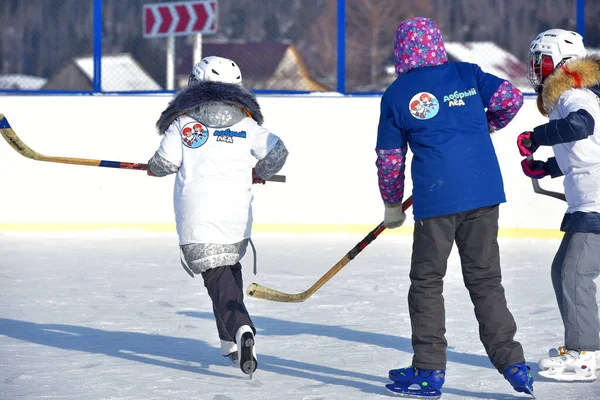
(291, 46)
(588, 16)
(40, 39)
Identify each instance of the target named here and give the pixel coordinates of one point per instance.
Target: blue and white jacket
(571, 99)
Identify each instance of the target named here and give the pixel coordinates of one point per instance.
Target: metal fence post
(581, 18)
(97, 79)
(170, 62)
(341, 46)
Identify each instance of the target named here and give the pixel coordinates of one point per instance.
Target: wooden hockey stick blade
(265, 293)
(16, 143)
(11, 137)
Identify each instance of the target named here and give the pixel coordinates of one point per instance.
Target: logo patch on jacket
(227, 135)
(194, 135)
(424, 106)
(456, 98)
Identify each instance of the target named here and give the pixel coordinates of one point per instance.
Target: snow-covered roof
(20, 81)
(490, 57)
(120, 72)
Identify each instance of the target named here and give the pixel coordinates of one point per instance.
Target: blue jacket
(440, 112)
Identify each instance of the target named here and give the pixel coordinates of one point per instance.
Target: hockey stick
(538, 189)
(11, 137)
(263, 292)
(536, 182)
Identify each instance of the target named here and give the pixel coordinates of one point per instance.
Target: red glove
(525, 144)
(534, 168)
(256, 178)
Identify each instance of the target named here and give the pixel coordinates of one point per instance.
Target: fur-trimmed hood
(582, 73)
(203, 92)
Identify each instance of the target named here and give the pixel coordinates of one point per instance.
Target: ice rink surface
(112, 315)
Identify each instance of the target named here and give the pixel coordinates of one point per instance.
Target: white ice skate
(229, 350)
(555, 351)
(247, 360)
(570, 366)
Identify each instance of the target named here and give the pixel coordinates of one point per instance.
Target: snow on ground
(112, 315)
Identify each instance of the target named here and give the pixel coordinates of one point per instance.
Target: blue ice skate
(419, 383)
(520, 378)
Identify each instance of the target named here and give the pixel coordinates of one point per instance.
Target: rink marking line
(540, 233)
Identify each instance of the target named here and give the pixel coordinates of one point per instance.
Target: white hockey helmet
(549, 50)
(216, 69)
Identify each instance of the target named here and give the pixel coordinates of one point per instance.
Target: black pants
(475, 233)
(226, 290)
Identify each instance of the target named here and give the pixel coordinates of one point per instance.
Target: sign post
(170, 62)
(197, 48)
(180, 19)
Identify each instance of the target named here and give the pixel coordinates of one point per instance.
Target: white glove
(394, 216)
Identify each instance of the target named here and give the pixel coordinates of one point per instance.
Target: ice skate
(520, 378)
(416, 383)
(555, 351)
(229, 350)
(246, 352)
(570, 365)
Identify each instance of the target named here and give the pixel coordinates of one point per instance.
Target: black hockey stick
(538, 189)
(536, 182)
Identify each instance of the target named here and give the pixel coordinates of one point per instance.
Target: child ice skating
(457, 189)
(212, 136)
(568, 85)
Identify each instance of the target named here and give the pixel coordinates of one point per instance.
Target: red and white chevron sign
(180, 19)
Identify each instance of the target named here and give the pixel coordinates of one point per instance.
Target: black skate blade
(248, 363)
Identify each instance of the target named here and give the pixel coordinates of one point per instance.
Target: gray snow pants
(575, 266)
(226, 290)
(475, 233)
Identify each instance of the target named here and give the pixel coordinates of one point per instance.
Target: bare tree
(370, 30)
(38, 36)
(320, 48)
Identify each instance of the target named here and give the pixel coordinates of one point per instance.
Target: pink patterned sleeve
(503, 106)
(390, 171)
